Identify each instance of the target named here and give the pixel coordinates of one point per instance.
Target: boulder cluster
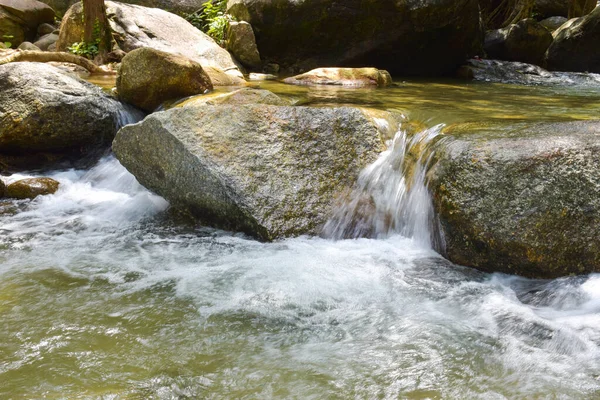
(186, 121)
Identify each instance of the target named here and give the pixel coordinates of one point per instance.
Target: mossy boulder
(525, 203)
(134, 27)
(525, 41)
(575, 46)
(426, 37)
(356, 77)
(149, 77)
(44, 109)
(270, 171)
(31, 188)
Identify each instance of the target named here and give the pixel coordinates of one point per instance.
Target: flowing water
(106, 295)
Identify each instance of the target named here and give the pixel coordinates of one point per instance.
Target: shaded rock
(45, 28)
(270, 171)
(523, 74)
(135, 26)
(115, 56)
(550, 8)
(575, 46)
(28, 46)
(31, 12)
(426, 37)
(342, 76)
(2, 188)
(525, 41)
(149, 77)
(47, 114)
(553, 23)
(525, 202)
(11, 30)
(31, 188)
(46, 41)
(242, 44)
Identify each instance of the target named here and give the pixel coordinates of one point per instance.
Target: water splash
(391, 196)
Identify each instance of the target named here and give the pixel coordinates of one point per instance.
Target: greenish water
(104, 295)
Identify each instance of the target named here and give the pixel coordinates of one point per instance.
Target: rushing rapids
(105, 294)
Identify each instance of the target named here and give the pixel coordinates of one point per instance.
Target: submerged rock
(149, 77)
(242, 44)
(31, 188)
(342, 76)
(523, 74)
(45, 110)
(270, 171)
(525, 41)
(426, 37)
(525, 203)
(238, 97)
(575, 46)
(135, 26)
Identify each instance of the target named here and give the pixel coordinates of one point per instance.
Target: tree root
(45, 56)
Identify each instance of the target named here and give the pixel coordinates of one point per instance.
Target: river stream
(105, 294)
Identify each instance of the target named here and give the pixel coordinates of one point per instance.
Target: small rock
(553, 23)
(261, 77)
(219, 77)
(149, 77)
(28, 46)
(342, 76)
(45, 28)
(2, 188)
(242, 44)
(46, 41)
(31, 188)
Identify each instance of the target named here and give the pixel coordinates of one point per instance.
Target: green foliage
(212, 19)
(5, 41)
(88, 49)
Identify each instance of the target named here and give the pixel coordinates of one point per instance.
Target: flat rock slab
(352, 77)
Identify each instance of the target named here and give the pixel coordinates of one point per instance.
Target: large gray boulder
(271, 171)
(525, 203)
(424, 37)
(179, 7)
(575, 46)
(135, 26)
(148, 77)
(47, 111)
(525, 41)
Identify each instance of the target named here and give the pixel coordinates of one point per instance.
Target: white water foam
(391, 196)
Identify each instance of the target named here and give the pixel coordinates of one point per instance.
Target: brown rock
(31, 188)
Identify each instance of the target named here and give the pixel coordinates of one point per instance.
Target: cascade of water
(390, 196)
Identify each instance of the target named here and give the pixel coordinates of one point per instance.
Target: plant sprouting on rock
(212, 19)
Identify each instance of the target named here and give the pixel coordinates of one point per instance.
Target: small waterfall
(391, 196)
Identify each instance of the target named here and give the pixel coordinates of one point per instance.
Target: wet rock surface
(270, 171)
(526, 203)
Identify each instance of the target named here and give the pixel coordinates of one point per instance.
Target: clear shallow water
(104, 294)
